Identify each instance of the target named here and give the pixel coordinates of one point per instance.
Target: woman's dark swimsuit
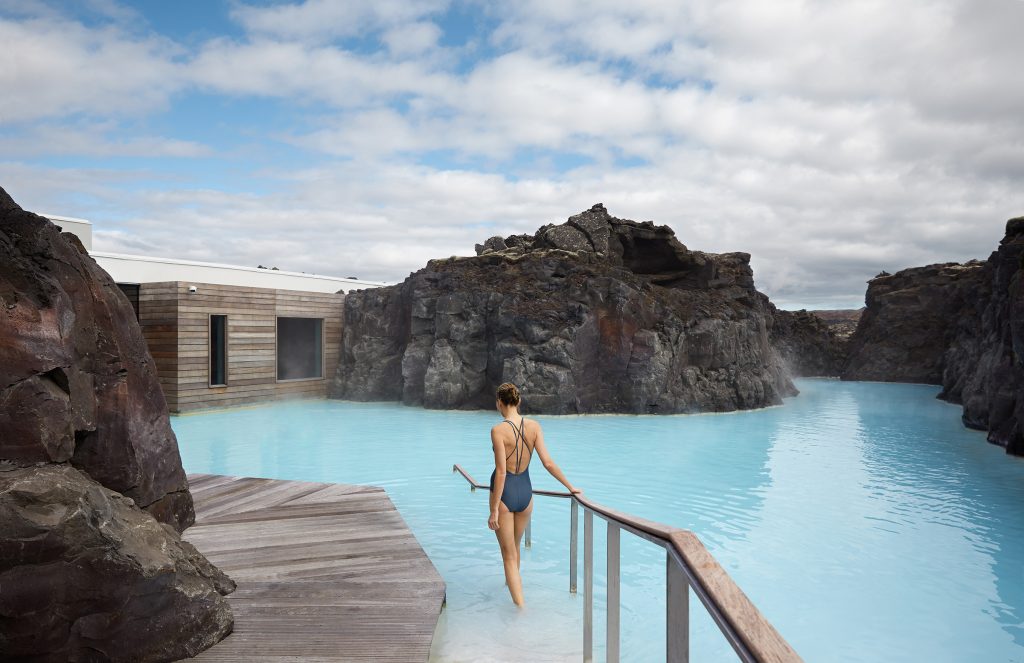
(518, 490)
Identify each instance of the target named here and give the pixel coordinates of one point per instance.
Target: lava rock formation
(957, 325)
(598, 314)
(808, 345)
(92, 492)
(907, 325)
(88, 576)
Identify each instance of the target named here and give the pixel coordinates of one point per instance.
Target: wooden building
(224, 345)
(227, 335)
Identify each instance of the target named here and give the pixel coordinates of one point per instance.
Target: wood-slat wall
(181, 348)
(158, 316)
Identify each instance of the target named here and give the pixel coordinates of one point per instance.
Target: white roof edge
(240, 268)
(53, 217)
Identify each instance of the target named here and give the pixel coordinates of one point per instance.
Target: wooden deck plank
(325, 572)
(289, 512)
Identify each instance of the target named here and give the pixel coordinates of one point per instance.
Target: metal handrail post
(677, 613)
(613, 593)
(588, 586)
(573, 527)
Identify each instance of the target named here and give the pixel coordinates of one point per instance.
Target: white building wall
(125, 268)
(144, 269)
(79, 227)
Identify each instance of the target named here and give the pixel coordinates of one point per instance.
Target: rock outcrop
(983, 366)
(88, 576)
(598, 314)
(842, 322)
(957, 325)
(77, 383)
(92, 492)
(808, 345)
(907, 325)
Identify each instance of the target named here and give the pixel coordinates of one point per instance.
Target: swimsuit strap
(522, 428)
(519, 435)
(517, 439)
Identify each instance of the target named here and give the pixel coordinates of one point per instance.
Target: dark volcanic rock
(907, 325)
(808, 345)
(961, 326)
(77, 382)
(984, 361)
(85, 441)
(596, 315)
(87, 576)
(492, 244)
(566, 238)
(842, 322)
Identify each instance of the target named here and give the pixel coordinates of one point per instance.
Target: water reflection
(964, 513)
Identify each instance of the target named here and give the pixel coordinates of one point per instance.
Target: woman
(514, 441)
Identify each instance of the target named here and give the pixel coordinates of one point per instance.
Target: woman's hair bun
(508, 394)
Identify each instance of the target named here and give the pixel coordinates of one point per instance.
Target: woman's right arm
(499, 478)
(549, 463)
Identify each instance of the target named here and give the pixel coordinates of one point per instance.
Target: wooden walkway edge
(325, 572)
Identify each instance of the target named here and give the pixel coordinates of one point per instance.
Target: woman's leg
(522, 519)
(509, 553)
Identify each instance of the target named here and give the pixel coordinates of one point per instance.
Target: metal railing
(688, 565)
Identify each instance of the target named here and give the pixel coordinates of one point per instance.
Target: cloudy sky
(831, 140)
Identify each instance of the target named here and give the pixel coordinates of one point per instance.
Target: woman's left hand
(492, 522)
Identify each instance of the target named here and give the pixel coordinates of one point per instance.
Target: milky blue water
(862, 519)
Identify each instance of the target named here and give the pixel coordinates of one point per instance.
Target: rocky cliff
(92, 491)
(983, 365)
(957, 325)
(908, 322)
(807, 344)
(598, 314)
(842, 322)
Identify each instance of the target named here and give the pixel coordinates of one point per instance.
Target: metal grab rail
(688, 564)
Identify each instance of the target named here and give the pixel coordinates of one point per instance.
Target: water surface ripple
(862, 519)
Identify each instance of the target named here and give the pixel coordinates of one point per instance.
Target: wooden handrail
(758, 635)
(750, 633)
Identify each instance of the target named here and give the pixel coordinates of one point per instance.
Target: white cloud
(540, 102)
(303, 73)
(56, 68)
(830, 140)
(376, 132)
(412, 38)
(99, 139)
(319, 19)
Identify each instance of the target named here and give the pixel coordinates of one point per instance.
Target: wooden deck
(325, 572)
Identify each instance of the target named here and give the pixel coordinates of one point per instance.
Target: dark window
(131, 291)
(299, 348)
(218, 350)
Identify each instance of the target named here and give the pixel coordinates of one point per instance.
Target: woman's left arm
(499, 478)
(549, 463)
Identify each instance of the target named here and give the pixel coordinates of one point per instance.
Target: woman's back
(519, 438)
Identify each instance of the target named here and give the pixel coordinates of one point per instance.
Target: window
(131, 291)
(299, 348)
(218, 350)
